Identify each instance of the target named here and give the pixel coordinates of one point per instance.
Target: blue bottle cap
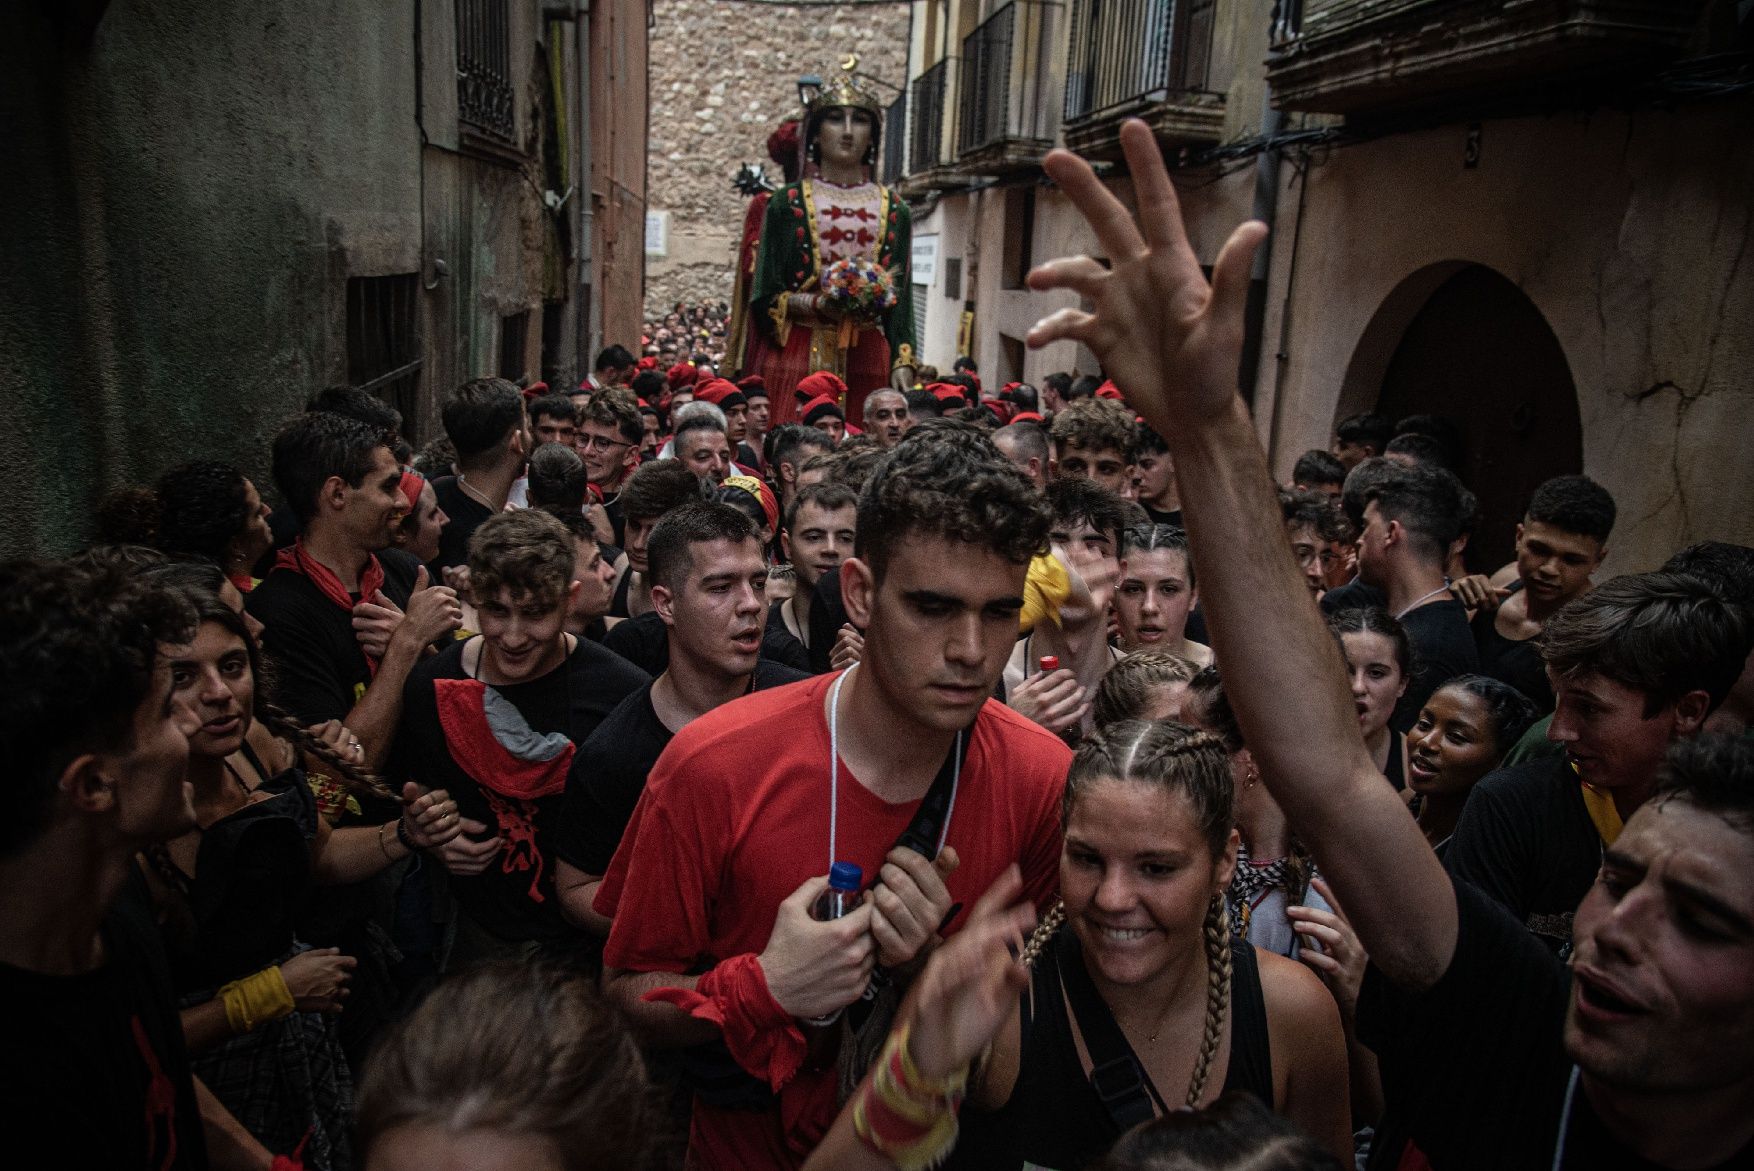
(846, 876)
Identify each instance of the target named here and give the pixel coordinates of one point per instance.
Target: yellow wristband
(255, 999)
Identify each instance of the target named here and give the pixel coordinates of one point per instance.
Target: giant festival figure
(817, 234)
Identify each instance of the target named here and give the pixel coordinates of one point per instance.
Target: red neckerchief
(478, 752)
(295, 558)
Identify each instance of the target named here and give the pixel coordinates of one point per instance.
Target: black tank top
(1510, 661)
(1054, 1120)
(1394, 770)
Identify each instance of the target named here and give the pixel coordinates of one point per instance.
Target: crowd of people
(479, 806)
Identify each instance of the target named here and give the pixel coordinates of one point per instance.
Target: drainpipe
(1266, 209)
(589, 326)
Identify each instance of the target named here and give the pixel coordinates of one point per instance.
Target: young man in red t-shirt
(749, 805)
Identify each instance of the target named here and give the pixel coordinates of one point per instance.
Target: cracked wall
(1630, 233)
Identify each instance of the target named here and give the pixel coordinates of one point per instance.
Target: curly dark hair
(1576, 504)
(946, 479)
(1512, 713)
(202, 507)
(78, 644)
(528, 552)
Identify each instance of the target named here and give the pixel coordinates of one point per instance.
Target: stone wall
(723, 75)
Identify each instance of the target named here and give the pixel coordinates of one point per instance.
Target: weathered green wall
(187, 192)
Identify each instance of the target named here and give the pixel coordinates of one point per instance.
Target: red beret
(680, 375)
(944, 392)
(534, 390)
(1026, 417)
(720, 393)
(649, 362)
(822, 384)
(1108, 390)
(752, 386)
(410, 486)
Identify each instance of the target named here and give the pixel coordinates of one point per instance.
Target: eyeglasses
(587, 442)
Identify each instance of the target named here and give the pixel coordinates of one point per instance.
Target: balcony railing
(1351, 55)
(1131, 51)
(926, 145)
(895, 141)
(1003, 117)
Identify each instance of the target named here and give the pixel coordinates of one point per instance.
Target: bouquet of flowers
(859, 288)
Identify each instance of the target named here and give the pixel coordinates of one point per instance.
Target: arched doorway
(1464, 342)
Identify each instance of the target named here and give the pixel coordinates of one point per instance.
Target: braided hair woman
(259, 1004)
(1139, 948)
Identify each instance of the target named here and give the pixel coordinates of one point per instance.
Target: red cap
(1108, 390)
(822, 384)
(720, 393)
(1027, 417)
(680, 375)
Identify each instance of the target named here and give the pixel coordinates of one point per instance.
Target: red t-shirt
(735, 817)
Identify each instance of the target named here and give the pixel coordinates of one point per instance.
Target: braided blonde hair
(1195, 765)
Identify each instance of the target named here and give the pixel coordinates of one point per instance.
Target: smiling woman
(1138, 962)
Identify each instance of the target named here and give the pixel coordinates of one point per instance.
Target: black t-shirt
(466, 515)
(617, 522)
(1511, 661)
(1527, 841)
(644, 641)
(94, 1064)
(827, 615)
(320, 668)
(1443, 647)
(1159, 517)
(1474, 1068)
(1355, 594)
(609, 773)
(514, 897)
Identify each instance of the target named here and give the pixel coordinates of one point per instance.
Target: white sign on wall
(925, 260)
(657, 233)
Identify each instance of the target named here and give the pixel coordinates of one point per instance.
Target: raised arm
(1172, 344)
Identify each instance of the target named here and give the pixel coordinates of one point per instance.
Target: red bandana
(295, 558)
(479, 753)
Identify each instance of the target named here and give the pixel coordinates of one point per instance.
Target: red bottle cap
(1050, 663)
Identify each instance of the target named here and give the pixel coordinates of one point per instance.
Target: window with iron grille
(383, 340)
(484, 68)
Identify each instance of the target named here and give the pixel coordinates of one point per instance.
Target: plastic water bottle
(841, 898)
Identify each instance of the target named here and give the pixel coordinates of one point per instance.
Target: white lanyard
(834, 773)
(1565, 1120)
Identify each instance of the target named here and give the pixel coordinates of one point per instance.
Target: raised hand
(969, 988)
(1170, 341)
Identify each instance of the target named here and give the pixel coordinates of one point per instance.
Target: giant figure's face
(843, 136)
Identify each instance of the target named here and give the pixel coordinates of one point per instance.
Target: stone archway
(1462, 341)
